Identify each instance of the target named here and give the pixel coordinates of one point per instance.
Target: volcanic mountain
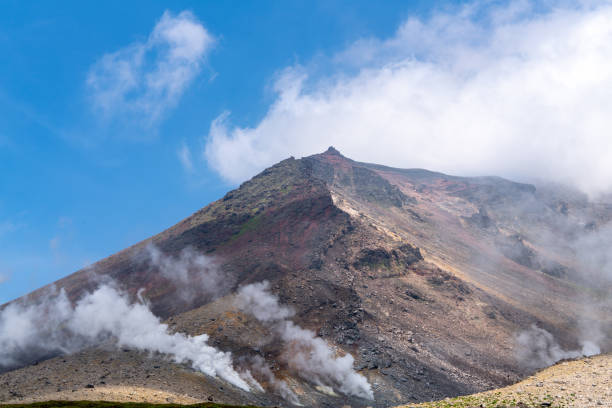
(426, 279)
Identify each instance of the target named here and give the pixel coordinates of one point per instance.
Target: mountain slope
(585, 383)
(424, 278)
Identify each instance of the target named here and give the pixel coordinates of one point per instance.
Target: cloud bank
(519, 90)
(145, 79)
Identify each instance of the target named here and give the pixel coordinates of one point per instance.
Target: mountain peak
(331, 150)
(378, 262)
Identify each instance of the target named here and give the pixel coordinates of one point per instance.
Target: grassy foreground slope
(569, 384)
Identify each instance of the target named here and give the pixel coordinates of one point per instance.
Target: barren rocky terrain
(425, 279)
(113, 375)
(577, 383)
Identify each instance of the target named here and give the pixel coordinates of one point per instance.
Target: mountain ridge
(424, 278)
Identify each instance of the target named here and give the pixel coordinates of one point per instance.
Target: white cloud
(184, 155)
(146, 79)
(3, 278)
(506, 90)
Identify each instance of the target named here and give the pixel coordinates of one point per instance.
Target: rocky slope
(424, 278)
(585, 383)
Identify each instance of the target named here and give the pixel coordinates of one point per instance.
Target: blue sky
(76, 186)
(119, 119)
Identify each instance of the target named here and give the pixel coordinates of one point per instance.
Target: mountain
(427, 280)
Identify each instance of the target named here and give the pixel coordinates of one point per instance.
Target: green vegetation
(250, 225)
(108, 404)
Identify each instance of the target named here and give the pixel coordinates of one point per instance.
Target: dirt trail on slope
(570, 384)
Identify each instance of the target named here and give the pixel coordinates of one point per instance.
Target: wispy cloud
(3, 277)
(516, 90)
(146, 79)
(13, 106)
(54, 243)
(184, 155)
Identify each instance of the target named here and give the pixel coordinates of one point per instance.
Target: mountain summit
(435, 285)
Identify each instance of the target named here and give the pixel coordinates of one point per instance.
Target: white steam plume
(307, 355)
(594, 319)
(538, 348)
(259, 366)
(106, 311)
(23, 326)
(256, 300)
(591, 333)
(55, 326)
(247, 376)
(194, 275)
(592, 250)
